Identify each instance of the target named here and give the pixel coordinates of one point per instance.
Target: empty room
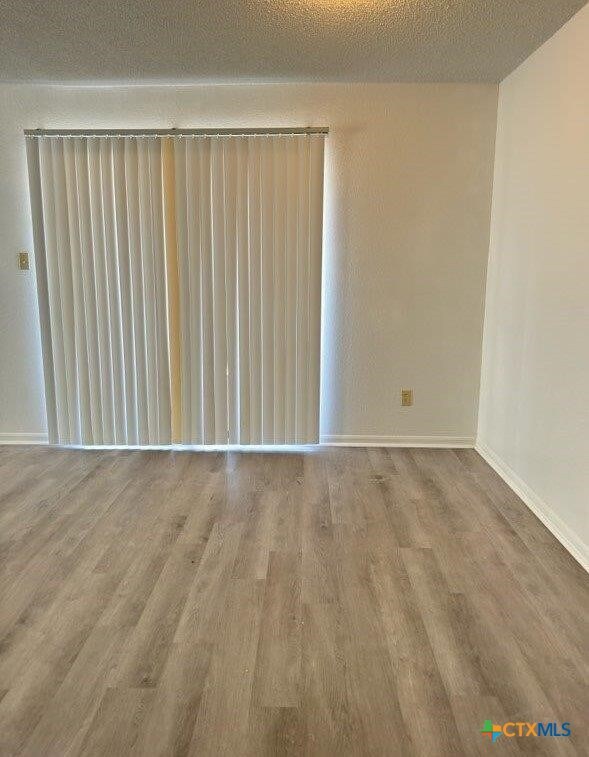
(294, 378)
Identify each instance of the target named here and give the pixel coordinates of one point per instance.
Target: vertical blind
(179, 284)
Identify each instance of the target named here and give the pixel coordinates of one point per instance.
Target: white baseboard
(23, 438)
(541, 509)
(351, 440)
(348, 440)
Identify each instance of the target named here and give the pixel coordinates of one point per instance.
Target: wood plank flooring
(328, 602)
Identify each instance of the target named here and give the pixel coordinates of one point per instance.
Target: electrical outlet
(406, 397)
(23, 261)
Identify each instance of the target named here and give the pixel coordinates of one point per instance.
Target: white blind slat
(255, 288)
(280, 284)
(218, 249)
(194, 249)
(62, 427)
(241, 366)
(35, 190)
(125, 291)
(138, 309)
(267, 288)
(111, 253)
(231, 302)
(160, 340)
(291, 254)
(205, 250)
(83, 433)
(89, 315)
(146, 212)
(66, 299)
(101, 285)
(302, 286)
(188, 337)
(316, 158)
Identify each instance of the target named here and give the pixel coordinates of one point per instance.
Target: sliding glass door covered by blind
(179, 283)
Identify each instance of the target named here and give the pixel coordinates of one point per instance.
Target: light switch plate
(23, 261)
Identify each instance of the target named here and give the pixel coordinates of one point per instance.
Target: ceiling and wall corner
(273, 40)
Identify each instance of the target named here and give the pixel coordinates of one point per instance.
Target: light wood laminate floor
(328, 602)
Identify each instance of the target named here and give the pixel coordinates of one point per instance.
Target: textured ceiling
(273, 40)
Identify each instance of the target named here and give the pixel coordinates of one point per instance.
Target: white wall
(409, 172)
(534, 409)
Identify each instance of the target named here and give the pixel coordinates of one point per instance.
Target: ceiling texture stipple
(273, 40)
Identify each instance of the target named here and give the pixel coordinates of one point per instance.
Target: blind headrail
(224, 132)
